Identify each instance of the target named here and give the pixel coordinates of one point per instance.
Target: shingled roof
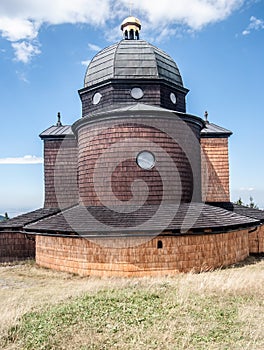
(132, 59)
(57, 132)
(191, 217)
(213, 130)
(241, 210)
(20, 221)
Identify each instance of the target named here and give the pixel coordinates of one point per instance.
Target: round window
(97, 98)
(173, 98)
(137, 93)
(146, 160)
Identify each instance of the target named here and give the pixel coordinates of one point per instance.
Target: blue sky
(46, 46)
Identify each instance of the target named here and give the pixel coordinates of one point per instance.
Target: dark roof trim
(133, 233)
(133, 81)
(213, 131)
(57, 132)
(134, 23)
(133, 113)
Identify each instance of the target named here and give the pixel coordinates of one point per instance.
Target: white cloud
(165, 33)
(14, 29)
(255, 24)
(193, 13)
(245, 32)
(22, 160)
(86, 63)
(249, 189)
(57, 11)
(94, 47)
(24, 51)
(21, 20)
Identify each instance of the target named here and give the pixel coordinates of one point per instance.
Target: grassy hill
(223, 309)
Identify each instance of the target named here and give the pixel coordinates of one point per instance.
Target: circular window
(137, 93)
(173, 98)
(97, 98)
(146, 160)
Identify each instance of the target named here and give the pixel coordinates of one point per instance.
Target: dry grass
(223, 309)
(25, 287)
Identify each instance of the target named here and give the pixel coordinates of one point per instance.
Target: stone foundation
(159, 256)
(16, 246)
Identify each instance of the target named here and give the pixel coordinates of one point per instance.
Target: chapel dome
(131, 20)
(132, 59)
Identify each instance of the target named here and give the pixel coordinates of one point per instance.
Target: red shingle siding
(100, 171)
(15, 246)
(60, 171)
(256, 240)
(136, 258)
(215, 170)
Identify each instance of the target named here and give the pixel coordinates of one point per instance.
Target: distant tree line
(4, 218)
(251, 203)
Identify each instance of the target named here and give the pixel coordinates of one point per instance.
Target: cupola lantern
(131, 27)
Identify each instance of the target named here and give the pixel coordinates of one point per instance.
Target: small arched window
(131, 34)
(160, 245)
(137, 35)
(126, 34)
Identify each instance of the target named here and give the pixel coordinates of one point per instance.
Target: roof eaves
(57, 132)
(213, 130)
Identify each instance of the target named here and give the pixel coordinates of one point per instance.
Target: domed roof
(131, 19)
(132, 59)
